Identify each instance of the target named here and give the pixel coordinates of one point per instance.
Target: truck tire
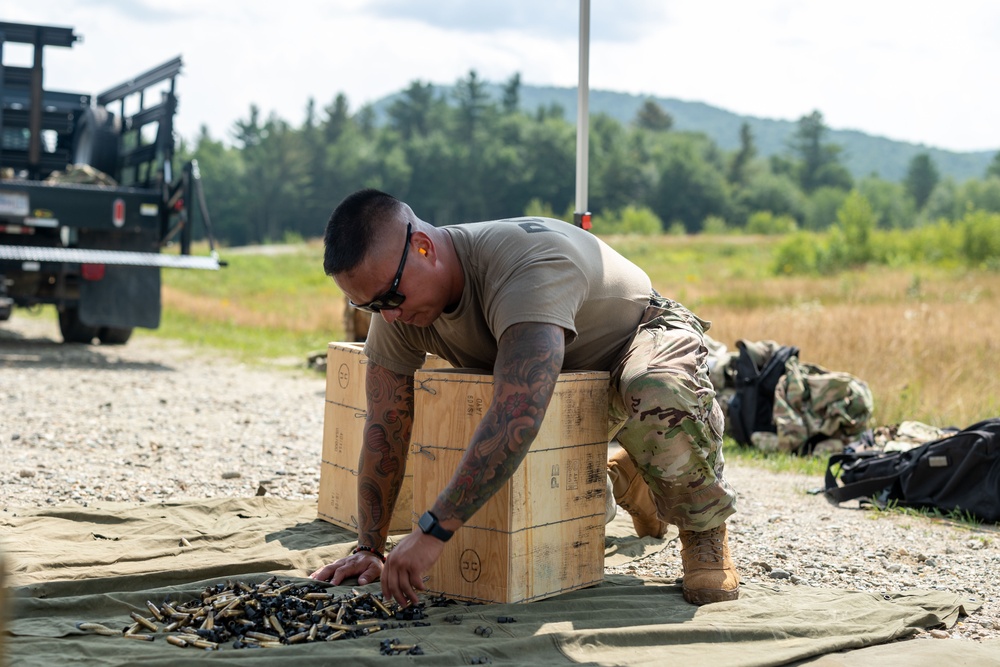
(73, 330)
(95, 141)
(114, 335)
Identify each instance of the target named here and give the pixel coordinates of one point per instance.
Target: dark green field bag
(959, 472)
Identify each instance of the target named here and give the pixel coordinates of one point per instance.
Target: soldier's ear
(422, 244)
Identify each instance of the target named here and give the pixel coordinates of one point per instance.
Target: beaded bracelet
(361, 547)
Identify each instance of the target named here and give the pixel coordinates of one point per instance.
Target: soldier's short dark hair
(355, 226)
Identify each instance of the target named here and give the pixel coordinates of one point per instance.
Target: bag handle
(836, 494)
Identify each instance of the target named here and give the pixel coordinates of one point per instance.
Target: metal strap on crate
(113, 257)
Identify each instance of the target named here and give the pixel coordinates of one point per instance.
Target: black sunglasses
(390, 298)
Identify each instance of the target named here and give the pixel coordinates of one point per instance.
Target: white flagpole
(582, 216)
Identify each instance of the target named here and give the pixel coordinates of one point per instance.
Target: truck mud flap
(127, 296)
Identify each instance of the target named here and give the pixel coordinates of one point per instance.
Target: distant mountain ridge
(862, 154)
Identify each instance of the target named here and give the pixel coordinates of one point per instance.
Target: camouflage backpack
(817, 410)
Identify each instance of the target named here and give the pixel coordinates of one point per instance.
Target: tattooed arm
(382, 465)
(529, 359)
(383, 455)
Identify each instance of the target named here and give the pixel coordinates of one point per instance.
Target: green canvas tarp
(96, 564)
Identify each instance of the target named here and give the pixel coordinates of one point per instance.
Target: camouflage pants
(664, 414)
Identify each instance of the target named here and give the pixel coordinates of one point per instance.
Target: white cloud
(914, 71)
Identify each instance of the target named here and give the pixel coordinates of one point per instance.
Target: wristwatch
(428, 523)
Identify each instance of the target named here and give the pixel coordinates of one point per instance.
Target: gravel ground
(154, 420)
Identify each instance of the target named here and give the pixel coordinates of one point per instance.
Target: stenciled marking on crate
(343, 376)
(470, 565)
(475, 406)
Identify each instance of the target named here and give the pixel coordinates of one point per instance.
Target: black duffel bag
(959, 472)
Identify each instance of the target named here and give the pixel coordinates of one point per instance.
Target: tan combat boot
(709, 573)
(633, 494)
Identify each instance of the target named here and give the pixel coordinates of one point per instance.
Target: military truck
(91, 207)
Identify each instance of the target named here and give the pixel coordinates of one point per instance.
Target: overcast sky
(914, 70)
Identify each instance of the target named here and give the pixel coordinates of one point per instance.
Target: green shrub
(799, 253)
(934, 243)
(630, 220)
(539, 209)
(765, 222)
(713, 224)
(677, 228)
(893, 247)
(851, 239)
(980, 234)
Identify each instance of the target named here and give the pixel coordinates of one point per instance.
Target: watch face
(428, 523)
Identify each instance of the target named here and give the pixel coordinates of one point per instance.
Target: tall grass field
(925, 338)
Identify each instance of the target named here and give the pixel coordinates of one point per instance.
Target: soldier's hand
(364, 565)
(402, 575)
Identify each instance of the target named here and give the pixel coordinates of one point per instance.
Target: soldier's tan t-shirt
(525, 270)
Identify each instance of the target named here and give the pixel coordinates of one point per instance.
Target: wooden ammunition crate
(543, 533)
(343, 430)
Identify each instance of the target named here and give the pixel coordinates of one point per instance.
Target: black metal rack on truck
(89, 198)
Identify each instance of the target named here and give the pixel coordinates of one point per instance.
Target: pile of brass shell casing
(270, 614)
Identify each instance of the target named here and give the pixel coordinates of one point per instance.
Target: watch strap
(429, 524)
